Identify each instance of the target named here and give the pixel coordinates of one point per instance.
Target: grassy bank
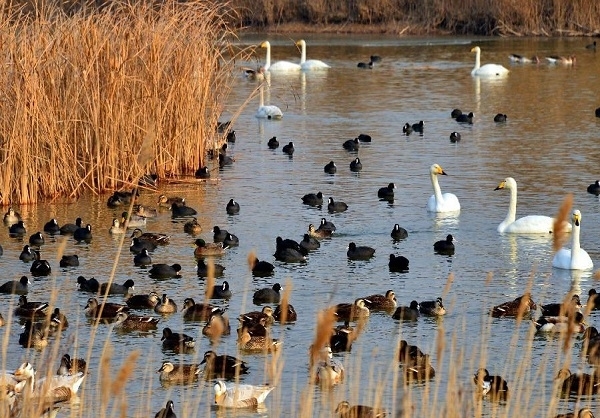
(91, 98)
(479, 17)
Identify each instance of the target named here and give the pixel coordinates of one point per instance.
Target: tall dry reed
(93, 99)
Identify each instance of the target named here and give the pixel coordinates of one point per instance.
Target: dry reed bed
(82, 95)
(481, 17)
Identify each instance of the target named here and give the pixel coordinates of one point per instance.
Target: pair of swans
(487, 70)
(290, 66)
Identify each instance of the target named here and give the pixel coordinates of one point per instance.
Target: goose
(267, 111)
(487, 69)
(240, 396)
(309, 64)
(532, 224)
(523, 60)
(555, 59)
(55, 388)
(279, 65)
(439, 202)
(575, 258)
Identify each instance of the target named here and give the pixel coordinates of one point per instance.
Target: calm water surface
(549, 145)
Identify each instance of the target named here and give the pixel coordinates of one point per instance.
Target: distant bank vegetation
(479, 17)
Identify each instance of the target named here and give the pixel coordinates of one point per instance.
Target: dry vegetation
(481, 17)
(84, 90)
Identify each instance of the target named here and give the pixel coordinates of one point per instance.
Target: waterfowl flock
(381, 304)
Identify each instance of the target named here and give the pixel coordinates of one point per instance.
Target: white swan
(575, 258)
(532, 224)
(279, 65)
(267, 111)
(439, 202)
(310, 64)
(487, 69)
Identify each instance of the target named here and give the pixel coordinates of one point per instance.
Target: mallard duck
(34, 335)
(309, 243)
(148, 301)
(582, 413)
(265, 314)
(418, 372)
(494, 386)
(145, 211)
(351, 311)
(193, 311)
(217, 325)
(385, 302)
(523, 305)
(204, 249)
(129, 322)
(178, 373)
(256, 343)
(223, 366)
(106, 310)
(342, 337)
(344, 410)
(153, 237)
(240, 396)
(411, 355)
(58, 320)
(132, 221)
(329, 371)
(116, 227)
(192, 227)
(593, 301)
(432, 307)
(69, 366)
(165, 305)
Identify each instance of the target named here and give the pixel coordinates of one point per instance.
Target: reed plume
(560, 221)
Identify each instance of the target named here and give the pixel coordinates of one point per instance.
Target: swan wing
(490, 70)
(285, 66)
(532, 224)
(314, 65)
(562, 259)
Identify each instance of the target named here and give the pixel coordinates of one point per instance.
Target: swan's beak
(501, 186)
(473, 49)
(576, 219)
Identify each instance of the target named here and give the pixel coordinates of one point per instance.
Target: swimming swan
(532, 224)
(439, 202)
(575, 258)
(487, 69)
(279, 65)
(267, 111)
(310, 64)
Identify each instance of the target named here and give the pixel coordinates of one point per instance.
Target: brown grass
(560, 221)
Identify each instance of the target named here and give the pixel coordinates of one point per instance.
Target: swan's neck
(477, 60)
(303, 54)
(512, 207)
(575, 246)
(268, 58)
(436, 188)
(261, 100)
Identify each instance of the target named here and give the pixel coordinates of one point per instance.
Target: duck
(351, 144)
(345, 410)
(330, 168)
(16, 287)
(445, 247)
(165, 305)
(69, 229)
(487, 70)
(398, 233)
(273, 143)
(398, 263)
(176, 341)
(418, 127)
(215, 270)
(225, 160)
(83, 234)
(288, 148)
(165, 271)
(88, 285)
(222, 366)
(561, 324)
(307, 65)
(261, 268)
(69, 366)
(53, 388)
(574, 258)
(362, 252)
(232, 207)
(342, 338)
(256, 343)
(142, 258)
(432, 307)
(465, 118)
(147, 301)
(138, 245)
(379, 302)
(455, 113)
(117, 228)
(329, 371)
(594, 188)
(11, 217)
(267, 295)
(455, 137)
(386, 193)
(351, 311)
(202, 173)
(264, 316)
(591, 345)
(182, 211)
(220, 291)
(145, 212)
(519, 307)
(578, 384)
(240, 396)
(593, 301)
(129, 322)
(106, 310)
(231, 241)
(204, 249)
(279, 65)
(193, 311)
(439, 202)
(318, 233)
(328, 225)
(57, 321)
(40, 268)
(34, 335)
(17, 229)
(289, 251)
(219, 234)
(269, 112)
(310, 243)
(28, 254)
(167, 411)
(364, 138)
(531, 224)
(153, 237)
(407, 129)
(591, 46)
(365, 65)
(499, 118)
(356, 165)
(419, 372)
(167, 202)
(556, 59)
(411, 355)
(336, 207)
(494, 386)
(217, 325)
(581, 413)
(523, 60)
(407, 313)
(117, 289)
(571, 305)
(192, 227)
(69, 260)
(37, 239)
(178, 373)
(29, 309)
(285, 313)
(132, 221)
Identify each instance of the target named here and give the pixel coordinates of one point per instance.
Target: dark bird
(288, 149)
(500, 118)
(83, 234)
(40, 268)
(176, 341)
(36, 239)
(267, 295)
(221, 291)
(398, 233)
(419, 127)
(29, 254)
(232, 207)
(578, 384)
(494, 386)
(359, 252)
(142, 258)
(560, 309)
(167, 411)
(444, 247)
(432, 307)
(407, 313)
(142, 301)
(351, 144)
(365, 65)
(333, 206)
(407, 129)
(88, 285)
(386, 193)
(179, 210)
(521, 306)
(261, 268)
(455, 137)
(165, 271)
(68, 229)
(398, 263)
(289, 251)
(222, 366)
(69, 261)
(202, 269)
(202, 173)
(330, 168)
(273, 143)
(16, 287)
(465, 118)
(593, 301)
(455, 113)
(356, 165)
(17, 230)
(594, 188)
(364, 138)
(117, 289)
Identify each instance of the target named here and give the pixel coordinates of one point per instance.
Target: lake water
(548, 144)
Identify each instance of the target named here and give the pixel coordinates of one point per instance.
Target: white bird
(439, 202)
(55, 388)
(531, 224)
(329, 371)
(267, 111)
(279, 65)
(487, 69)
(575, 258)
(309, 64)
(240, 396)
